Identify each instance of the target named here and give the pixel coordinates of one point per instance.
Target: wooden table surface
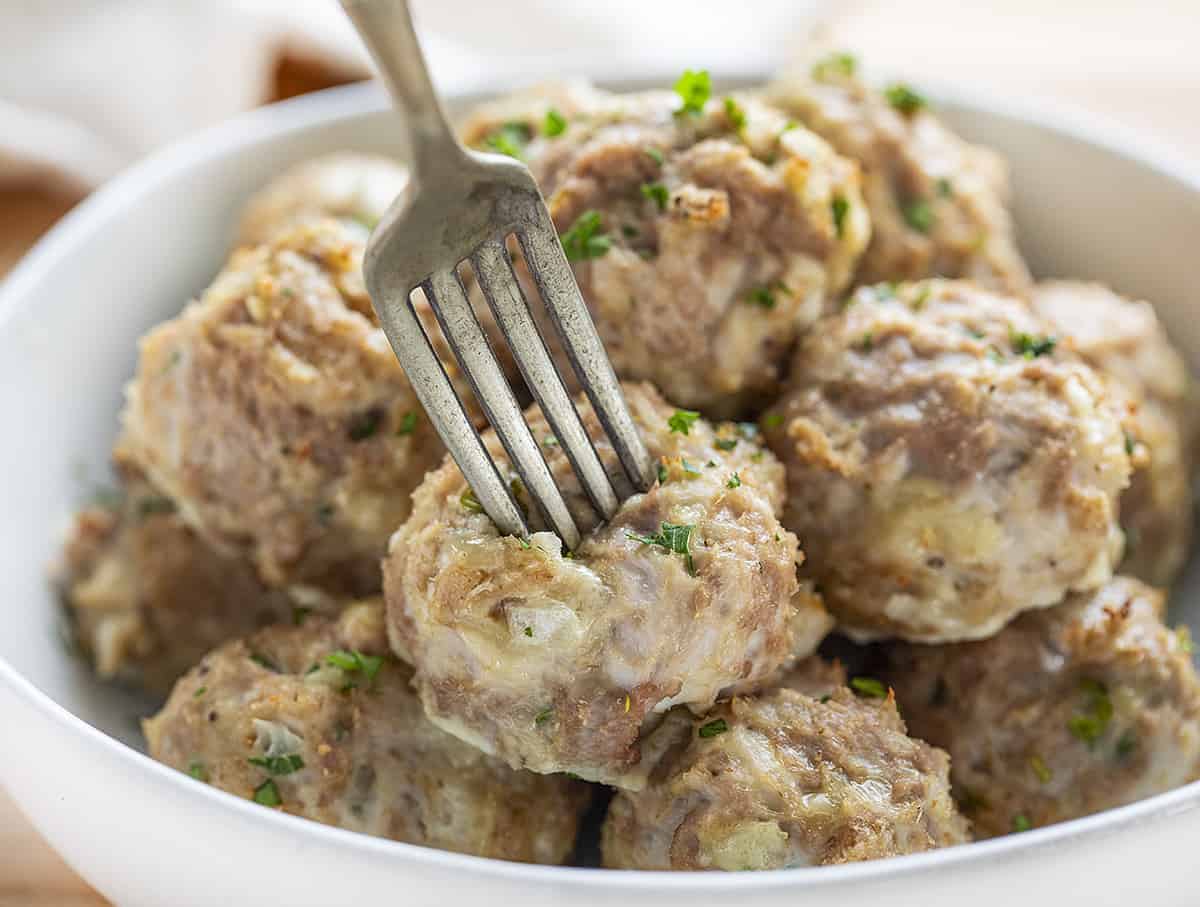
(1133, 62)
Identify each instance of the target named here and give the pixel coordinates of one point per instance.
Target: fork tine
(471, 346)
(556, 283)
(445, 410)
(504, 294)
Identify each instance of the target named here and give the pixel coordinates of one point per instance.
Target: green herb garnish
(278, 765)
(1090, 724)
(469, 502)
(868, 687)
(726, 443)
(300, 615)
(658, 193)
(1021, 823)
(682, 420)
(529, 632)
(919, 215)
(267, 794)
(554, 124)
(543, 716)
(902, 97)
(713, 728)
(584, 240)
(662, 474)
(764, 296)
(408, 423)
(1040, 768)
(673, 537)
(840, 208)
(840, 64)
(364, 425)
(735, 114)
(694, 89)
(355, 664)
(772, 420)
(198, 771)
(200, 691)
(735, 481)
(655, 155)
(152, 504)
(1126, 745)
(510, 139)
(1030, 345)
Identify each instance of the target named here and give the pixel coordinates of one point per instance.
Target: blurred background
(88, 87)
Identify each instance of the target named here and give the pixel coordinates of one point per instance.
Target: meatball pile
(987, 477)
(319, 720)
(1065, 712)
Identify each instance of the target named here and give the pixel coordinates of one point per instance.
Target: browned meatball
(561, 661)
(147, 597)
(273, 412)
(1067, 711)
(352, 187)
(786, 780)
(704, 243)
(938, 204)
(948, 466)
(318, 721)
(1124, 341)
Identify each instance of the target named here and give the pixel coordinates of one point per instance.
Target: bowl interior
(1087, 204)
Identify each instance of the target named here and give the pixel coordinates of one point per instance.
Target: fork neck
(386, 28)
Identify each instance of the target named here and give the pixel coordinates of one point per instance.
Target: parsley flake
(554, 124)
(836, 65)
(364, 425)
(1089, 725)
(735, 481)
(673, 537)
(919, 215)
(713, 728)
(300, 615)
(543, 716)
(868, 687)
(735, 114)
(694, 89)
(662, 474)
(904, 99)
(1030, 345)
(198, 771)
(267, 794)
(408, 423)
(509, 139)
(1021, 823)
(726, 443)
(584, 240)
(200, 691)
(469, 502)
(655, 155)
(772, 420)
(682, 420)
(354, 663)
(529, 632)
(840, 208)
(658, 193)
(278, 765)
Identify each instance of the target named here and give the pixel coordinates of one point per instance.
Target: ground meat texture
(938, 205)
(559, 661)
(147, 597)
(357, 188)
(720, 236)
(948, 465)
(786, 780)
(1066, 712)
(274, 414)
(319, 721)
(1124, 341)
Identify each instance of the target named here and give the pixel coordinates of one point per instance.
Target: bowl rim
(276, 122)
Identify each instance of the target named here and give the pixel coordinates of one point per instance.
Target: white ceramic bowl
(1090, 202)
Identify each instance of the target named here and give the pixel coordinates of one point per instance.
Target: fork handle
(386, 27)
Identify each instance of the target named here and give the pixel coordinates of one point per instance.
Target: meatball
(147, 597)
(1124, 341)
(704, 243)
(948, 465)
(938, 205)
(346, 185)
(786, 780)
(319, 721)
(1067, 711)
(273, 412)
(559, 661)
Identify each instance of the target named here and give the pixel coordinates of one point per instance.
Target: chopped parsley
(655, 155)
(1021, 823)
(355, 662)
(735, 481)
(840, 208)
(1030, 345)
(658, 193)
(152, 504)
(469, 502)
(726, 443)
(300, 615)
(1090, 723)
(868, 687)
(584, 239)
(713, 728)
(673, 537)
(772, 420)
(682, 420)
(694, 89)
(839, 64)
(1125, 746)
(543, 716)
(529, 630)
(764, 296)
(408, 423)
(510, 139)
(198, 771)
(278, 765)
(662, 474)
(364, 425)
(554, 124)
(550, 441)
(1130, 444)
(267, 794)
(904, 99)
(919, 215)
(200, 691)
(735, 114)
(945, 188)
(1040, 768)
(866, 342)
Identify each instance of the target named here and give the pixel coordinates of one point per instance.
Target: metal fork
(462, 205)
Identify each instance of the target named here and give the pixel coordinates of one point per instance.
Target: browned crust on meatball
(783, 780)
(561, 663)
(371, 762)
(943, 475)
(1066, 712)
